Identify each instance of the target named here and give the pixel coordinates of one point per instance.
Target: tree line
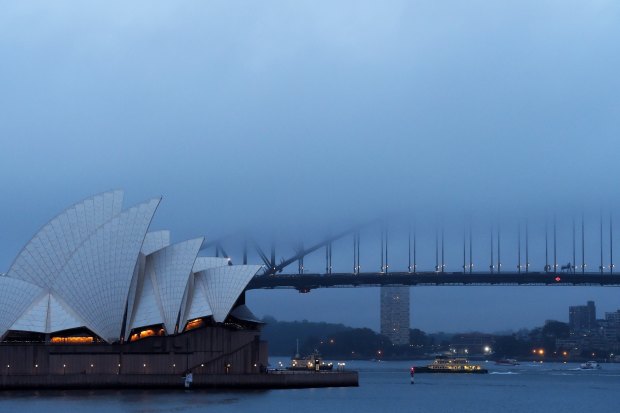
(344, 342)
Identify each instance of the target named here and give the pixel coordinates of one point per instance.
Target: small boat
(590, 365)
(445, 364)
(507, 362)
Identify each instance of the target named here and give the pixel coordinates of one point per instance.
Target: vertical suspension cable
(519, 247)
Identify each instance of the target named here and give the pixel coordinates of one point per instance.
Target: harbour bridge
(394, 284)
(278, 275)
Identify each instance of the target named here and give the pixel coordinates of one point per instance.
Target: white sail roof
(47, 314)
(96, 279)
(60, 316)
(34, 318)
(44, 256)
(203, 263)
(16, 296)
(242, 312)
(224, 285)
(155, 241)
(147, 310)
(134, 291)
(167, 272)
(198, 302)
(172, 268)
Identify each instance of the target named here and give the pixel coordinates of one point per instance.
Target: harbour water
(384, 386)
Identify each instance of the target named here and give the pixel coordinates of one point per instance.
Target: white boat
(445, 364)
(590, 365)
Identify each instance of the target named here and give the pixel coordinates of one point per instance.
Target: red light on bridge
(558, 279)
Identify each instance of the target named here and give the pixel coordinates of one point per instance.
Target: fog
(299, 119)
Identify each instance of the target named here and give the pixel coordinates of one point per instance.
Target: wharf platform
(270, 380)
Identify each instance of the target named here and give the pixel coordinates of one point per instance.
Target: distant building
(589, 334)
(472, 343)
(582, 317)
(570, 345)
(611, 326)
(395, 314)
(613, 317)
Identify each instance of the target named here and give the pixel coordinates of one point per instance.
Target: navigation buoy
(412, 373)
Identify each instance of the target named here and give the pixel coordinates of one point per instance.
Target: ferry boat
(445, 364)
(313, 362)
(507, 362)
(590, 365)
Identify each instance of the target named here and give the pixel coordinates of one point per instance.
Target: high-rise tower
(395, 314)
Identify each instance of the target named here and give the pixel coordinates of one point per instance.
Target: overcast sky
(265, 115)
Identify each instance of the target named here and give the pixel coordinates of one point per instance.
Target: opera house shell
(95, 278)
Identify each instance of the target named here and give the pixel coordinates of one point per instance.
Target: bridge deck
(306, 282)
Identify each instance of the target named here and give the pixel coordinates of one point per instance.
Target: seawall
(279, 380)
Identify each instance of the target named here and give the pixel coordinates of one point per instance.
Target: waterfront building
(395, 314)
(94, 291)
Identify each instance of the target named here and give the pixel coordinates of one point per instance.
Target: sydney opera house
(94, 293)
